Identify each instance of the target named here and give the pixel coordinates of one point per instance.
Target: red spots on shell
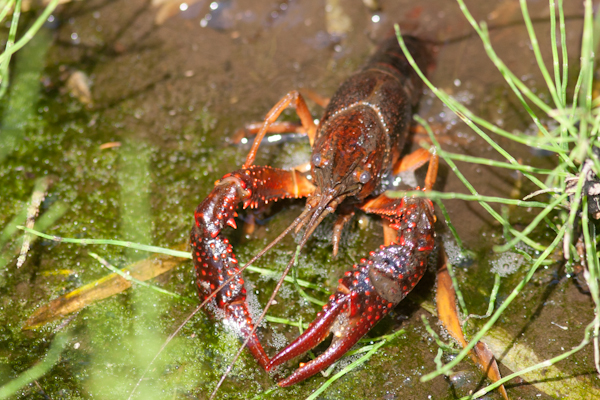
(212, 286)
(367, 293)
(372, 253)
(203, 272)
(428, 247)
(347, 273)
(353, 303)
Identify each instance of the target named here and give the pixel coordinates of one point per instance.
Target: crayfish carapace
(356, 148)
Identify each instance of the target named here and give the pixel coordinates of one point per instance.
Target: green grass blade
(136, 246)
(130, 278)
(448, 367)
(352, 366)
(36, 372)
(12, 33)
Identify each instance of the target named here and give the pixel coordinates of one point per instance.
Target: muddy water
(172, 87)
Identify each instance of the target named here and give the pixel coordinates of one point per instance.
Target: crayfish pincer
(355, 150)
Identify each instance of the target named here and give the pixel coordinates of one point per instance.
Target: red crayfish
(356, 148)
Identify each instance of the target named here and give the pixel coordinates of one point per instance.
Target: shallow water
(173, 94)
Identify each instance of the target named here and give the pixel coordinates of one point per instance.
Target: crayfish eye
(364, 177)
(317, 159)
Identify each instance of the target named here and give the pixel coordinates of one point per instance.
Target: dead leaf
(100, 289)
(448, 314)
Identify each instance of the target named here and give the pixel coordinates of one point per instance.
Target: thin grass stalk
(434, 195)
(514, 82)
(31, 32)
(563, 45)
(450, 226)
(12, 33)
(500, 164)
(592, 274)
(461, 111)
(570, 224)
(354, 364)
(130, 278)
(493, 296)
(161, 250)
(6, 7)
(533, 224)
(555, 60)
(470, 187)
(538, 54)
(516, 291)
(543, 364)
(37, 371)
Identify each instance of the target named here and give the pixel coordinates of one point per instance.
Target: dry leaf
(448, 314)
(100, 289)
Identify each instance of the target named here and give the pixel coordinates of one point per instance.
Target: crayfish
(356, 150)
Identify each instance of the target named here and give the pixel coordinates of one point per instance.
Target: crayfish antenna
(326, 205)
(269, 302)
(300, 220)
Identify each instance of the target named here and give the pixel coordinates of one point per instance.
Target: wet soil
(172, 87)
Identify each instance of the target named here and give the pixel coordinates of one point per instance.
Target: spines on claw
(213, 255)
(367, 292)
